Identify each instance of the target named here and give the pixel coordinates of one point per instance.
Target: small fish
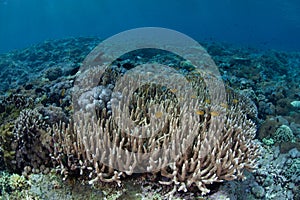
(173, 90)
(235, 101)
(224, 105)
(193, 96)
(181, 98)
(63, 92)
(214, 113)
(207, 101)
(158, 114)
(197, 72)
(69, 108)
(199, 112)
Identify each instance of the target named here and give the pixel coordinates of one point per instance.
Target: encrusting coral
(186, 144)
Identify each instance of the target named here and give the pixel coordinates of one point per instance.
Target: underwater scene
(115, 99)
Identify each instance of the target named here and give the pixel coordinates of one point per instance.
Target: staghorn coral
(185, 139)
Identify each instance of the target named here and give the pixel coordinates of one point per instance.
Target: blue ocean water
(266, 24)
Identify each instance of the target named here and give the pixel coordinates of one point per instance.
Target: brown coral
(33, 141)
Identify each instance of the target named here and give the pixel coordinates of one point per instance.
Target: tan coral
(165, 137)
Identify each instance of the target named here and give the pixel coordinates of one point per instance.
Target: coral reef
(221, 146)
(279, 174)
(11, 105)
(36, 94)
(19, 68)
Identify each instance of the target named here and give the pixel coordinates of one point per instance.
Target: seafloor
(42, 76)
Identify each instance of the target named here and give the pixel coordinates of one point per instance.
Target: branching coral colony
(178, 151)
